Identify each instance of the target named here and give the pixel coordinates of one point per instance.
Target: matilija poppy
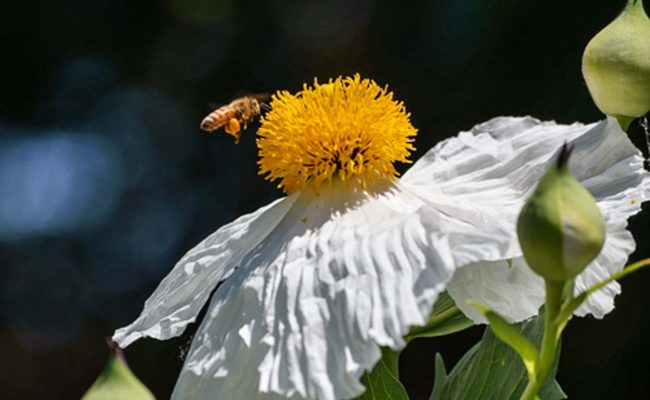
(312, 285)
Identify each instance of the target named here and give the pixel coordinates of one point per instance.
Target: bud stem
(552, 331)
(624, 122)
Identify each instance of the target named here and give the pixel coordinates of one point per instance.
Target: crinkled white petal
(181, 295)
(515, 292)
(619, 244)
(316, 283)
(609, 166)
(342, 274)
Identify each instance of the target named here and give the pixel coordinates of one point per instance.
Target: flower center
(348, 128)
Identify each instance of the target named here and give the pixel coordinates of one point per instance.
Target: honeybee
(235, 116)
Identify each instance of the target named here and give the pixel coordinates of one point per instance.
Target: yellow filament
(349, 128)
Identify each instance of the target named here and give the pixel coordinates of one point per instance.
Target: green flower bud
(616, 65)
(560, 227)
(117, 382)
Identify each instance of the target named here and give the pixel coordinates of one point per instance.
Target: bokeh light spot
(57, 183)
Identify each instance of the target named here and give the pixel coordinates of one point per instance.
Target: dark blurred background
(106, 180)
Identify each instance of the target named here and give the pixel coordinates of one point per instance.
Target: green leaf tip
(116, 381)
(446, 318)
(510, 335)
(478, 305)
(440, 381)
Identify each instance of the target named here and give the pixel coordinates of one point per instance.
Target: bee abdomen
(213, 121)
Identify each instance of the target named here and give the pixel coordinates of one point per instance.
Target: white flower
(314, 283)
(607, 164)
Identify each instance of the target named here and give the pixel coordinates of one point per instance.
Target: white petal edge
(609, 166)
(514, 291)
(181, 295)
(343, 273)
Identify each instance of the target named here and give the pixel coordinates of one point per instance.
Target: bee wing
(262, 97)
(211, 106)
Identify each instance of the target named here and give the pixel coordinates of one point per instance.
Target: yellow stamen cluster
(349, 128)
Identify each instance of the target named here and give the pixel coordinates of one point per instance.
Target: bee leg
(233, 128)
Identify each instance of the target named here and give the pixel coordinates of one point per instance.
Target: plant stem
(624, 122)
(544, 363)
(556, 318)
(573, 305)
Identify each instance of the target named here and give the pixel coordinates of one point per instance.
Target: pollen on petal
(349, 129)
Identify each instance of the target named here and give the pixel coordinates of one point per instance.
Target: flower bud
(616, 65)
(560, 227)
(117, 381)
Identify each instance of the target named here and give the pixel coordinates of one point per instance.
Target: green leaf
(445, 319)
(117, 382)
(381, 384)
(511, 336)
(493, 370)
(440, 378)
